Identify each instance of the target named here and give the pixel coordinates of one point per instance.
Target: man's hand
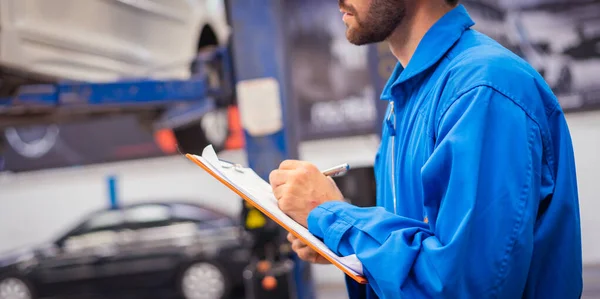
(304, 252)
(300, 187)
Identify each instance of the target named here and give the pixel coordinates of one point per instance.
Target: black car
(146, 249)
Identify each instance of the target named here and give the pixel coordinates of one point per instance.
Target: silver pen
(337, 171)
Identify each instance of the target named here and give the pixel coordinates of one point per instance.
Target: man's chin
(356, 39)
(361, 38)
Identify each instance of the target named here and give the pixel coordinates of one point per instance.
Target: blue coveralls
(476, 186)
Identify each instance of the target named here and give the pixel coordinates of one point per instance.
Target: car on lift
(490, 19)
(561, 39)
(99, 41)
(109, 40)
(165, 249)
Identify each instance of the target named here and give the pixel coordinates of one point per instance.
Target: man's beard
(377, 25)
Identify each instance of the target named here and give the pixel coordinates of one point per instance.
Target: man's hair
(452, 2)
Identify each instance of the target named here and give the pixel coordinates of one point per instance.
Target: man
(476, 186)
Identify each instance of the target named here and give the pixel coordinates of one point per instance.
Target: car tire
(204, 280)
(13, 287)
(212, 129)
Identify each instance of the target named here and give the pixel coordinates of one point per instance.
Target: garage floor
(591, 289)
(591, 282)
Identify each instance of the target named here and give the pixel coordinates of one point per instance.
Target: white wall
(585, 131)
(36, 206)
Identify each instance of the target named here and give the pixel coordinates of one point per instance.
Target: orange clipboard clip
(357, 278)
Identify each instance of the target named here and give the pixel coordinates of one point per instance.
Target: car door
(74, 267)
(148, 253)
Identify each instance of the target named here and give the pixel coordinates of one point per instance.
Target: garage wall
(38, 205)
(585, 131)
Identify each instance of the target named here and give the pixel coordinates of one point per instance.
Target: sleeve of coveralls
(483, 175)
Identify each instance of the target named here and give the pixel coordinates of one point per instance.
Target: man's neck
(420, 17)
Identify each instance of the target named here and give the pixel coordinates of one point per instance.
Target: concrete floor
(591, 282)
(591, 286)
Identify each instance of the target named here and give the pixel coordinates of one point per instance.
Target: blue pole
(259, 52)
(112, 192)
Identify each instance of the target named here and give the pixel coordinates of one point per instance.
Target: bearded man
(476, 183)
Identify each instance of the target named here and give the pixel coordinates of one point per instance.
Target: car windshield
(105, 219)
(194, 213)
(147, 214)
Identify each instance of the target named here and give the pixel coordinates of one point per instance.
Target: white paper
(251, 184)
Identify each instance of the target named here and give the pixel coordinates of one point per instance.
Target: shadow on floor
(591, 286)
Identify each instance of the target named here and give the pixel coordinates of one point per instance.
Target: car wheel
(15, 288)
(204, 280)
(212, 129)
(215, 125)
(32, 142)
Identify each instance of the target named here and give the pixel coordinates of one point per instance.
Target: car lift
(155, 103)
(257, 44)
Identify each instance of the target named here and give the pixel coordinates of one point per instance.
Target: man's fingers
(298, 245)
(304, 252)
(307, 254)
(290, 164)
(311, 256)
(319, 259)
(291, 238)
(279, 192)
(278, 177)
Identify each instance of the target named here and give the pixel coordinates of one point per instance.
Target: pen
(336, 171)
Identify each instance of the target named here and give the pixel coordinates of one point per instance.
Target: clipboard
(342, 263)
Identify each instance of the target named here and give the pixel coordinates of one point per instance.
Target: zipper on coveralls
(392, 128)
